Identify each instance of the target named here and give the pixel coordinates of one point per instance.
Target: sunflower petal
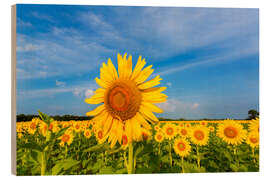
(140, 64)
(144, 74)
(150, 83)
(151, 107)
(95, 99)
(112, 69)
(96, 111)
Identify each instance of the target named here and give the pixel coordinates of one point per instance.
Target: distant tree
(253, 114)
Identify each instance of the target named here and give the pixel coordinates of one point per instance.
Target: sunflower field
(49, 147)
(125, 136)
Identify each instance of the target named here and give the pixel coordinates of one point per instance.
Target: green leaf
(106, 170)
(32, 146)
(64, 165)
(97, 148)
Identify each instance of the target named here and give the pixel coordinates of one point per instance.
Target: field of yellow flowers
(49, 147)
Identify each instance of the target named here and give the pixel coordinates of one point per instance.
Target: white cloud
(88, 93)
(169, 84)
(60, 83)
(176, 106)
(28, 47)
(195, 105)
(20, 23)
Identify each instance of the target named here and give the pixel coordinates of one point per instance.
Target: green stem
(125, 160)
(236, 157)
(183, 171)
(170, 152)
(130, 158)
(253, 155)
(198, 157)
(43, 164)
(158, 149)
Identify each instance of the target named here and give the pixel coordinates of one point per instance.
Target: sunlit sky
(207, 57)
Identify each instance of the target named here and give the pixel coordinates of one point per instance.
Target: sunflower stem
(158, 149)
(253, 155)
(198, 157)
(43, 164)
(170, 152)
(182, 159)
(130, 158)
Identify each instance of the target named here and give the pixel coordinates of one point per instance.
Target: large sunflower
(231, 132)
(199, 135)
(127, 100)
(182, 147)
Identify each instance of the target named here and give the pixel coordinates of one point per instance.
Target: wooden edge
(13, 89)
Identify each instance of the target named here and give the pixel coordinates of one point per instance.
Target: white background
(5, 85)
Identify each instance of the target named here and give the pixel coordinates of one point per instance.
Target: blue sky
(208, 57)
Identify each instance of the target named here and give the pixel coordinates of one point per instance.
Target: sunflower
(33, 125)
(254, 125)
(199, 135)
(146, 135)
(54, 126)
(231, 132)
(20, 135)
(204, 123)
(182, 147)
(43, 128)
(156, 127)
(77, 126)
(211, 128)
(127, 99)
(100, 136)
(87, 133)
(188, 125)
(169, 130)
(159, 137)
(66, 138)
(183, 132)
(253, 139)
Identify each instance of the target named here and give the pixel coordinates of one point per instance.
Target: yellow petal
(112, 69)
(151, 107)
(144, 74)
(151, 83)
(148, 115)
(102, 83)
(96, 111)
(129, 67)
(95, 99)
(120, 65)
(154, 98)
(154, 90)
(140, 64)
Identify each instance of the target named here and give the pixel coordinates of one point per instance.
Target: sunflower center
(230, 132)
(100, 134)
(184, 132)
(159, 137)
(253, 140)
(33, 126)
(169, 131)
(119, 99)
(65, 138)
(199, 135)
(181, 146)
(123, 99)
